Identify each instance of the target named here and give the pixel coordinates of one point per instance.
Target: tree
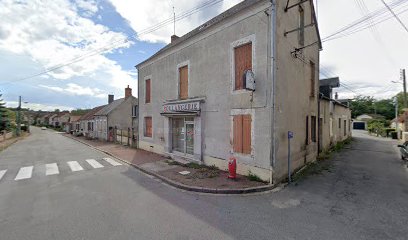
(3, 115)
(385, 108)
(362, 105)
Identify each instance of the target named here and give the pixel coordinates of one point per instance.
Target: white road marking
(74, 165)
(112, 162)
(2, 172)
(94, 163)
(24, 173)
(51, 169)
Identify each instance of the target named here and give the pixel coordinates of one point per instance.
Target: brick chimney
(110, 98)
(128, 92)
(174, 38)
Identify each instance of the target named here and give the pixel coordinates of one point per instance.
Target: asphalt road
(363, 196)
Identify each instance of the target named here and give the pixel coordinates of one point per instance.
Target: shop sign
(182, 107)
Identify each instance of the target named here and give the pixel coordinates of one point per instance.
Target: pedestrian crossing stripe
(112, 162)
(24, 173)
(74, 165)
(2, 172)
(94, 163)
(51, 169)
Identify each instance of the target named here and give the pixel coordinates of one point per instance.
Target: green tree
(78, 112)
(385, 107)
(4, 120)
(362, 105)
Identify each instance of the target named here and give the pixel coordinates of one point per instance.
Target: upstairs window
(183, 82)
(135, 111)
(243, 62)
(148, 91)
(242, 134)
(312, 79)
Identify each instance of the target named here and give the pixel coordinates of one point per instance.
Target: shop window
(312, 79)
(242, 134)
(148, 127)
(313, 128)
(148, 91)
(183, 82)
(243, 62)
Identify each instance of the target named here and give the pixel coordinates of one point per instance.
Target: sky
(71, 54)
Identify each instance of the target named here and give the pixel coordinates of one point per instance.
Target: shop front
(182, 130)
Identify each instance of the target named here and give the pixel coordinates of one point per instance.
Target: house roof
(219, 18)
(74, 118)
(108, 108)
(230, 12)
(89, 115)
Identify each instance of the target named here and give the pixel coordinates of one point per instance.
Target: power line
(395, 16)
(114, 44)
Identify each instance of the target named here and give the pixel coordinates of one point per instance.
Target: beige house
(236, 86)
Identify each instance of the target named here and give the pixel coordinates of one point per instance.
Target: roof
(89, 115)
(330, 82)
(75, 118)
(110, 107)
(230, 12)
(219, 18)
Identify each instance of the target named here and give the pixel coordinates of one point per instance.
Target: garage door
(359, 125)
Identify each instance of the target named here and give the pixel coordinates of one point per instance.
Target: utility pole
(18, 132)
(405, 87)
(396, 117)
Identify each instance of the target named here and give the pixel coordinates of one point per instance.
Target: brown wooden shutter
(237, 134)
(246, 134)
(312, 79)
(183, 73)
(148, 91)
(148, 123)
(243, 62)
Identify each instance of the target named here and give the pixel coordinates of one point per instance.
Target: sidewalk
(197, 178)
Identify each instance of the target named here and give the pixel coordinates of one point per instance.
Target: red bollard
(232, 168)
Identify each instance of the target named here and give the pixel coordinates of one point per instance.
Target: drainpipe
(272, 29)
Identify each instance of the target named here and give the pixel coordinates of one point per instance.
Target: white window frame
(233, 45)
(247, 158)
(180, 65)
(151, 89)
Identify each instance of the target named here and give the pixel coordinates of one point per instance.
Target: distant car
(404, 150)
(43, 128)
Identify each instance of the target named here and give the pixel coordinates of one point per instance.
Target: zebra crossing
(26, 172)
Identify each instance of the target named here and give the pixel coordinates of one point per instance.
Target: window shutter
(148, 124)
(243, 62)
(237, 141)
(246, 134)
(183, 74)
(148, 91)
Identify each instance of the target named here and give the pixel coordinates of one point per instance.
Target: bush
(377, 126)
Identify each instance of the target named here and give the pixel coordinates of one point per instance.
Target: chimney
(110, 98)
(174, 38)
(128, 92)
(336, 96)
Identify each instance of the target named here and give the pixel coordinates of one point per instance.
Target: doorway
(183, 135)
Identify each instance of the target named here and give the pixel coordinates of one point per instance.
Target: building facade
(198, 100)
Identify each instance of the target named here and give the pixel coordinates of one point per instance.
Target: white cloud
(144, 14)
(54, 32)
(75, 89)
(39, 106)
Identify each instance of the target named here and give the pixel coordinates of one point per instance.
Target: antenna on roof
(174, 21)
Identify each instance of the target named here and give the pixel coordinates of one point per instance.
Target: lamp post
(18, 130)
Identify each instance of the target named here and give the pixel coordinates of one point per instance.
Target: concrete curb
(183, 186)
